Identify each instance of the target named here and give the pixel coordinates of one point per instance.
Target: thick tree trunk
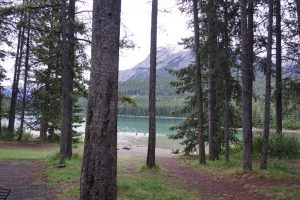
(264, 152)
(202, 159)
(15, 86)
(212, 137)
(68, 61)
(246, 89)
(26, 70)
(152, 88)
(51, 134)
(99, 168)
(278, 92)
(250, 31)
(43, 130)
(227, 92)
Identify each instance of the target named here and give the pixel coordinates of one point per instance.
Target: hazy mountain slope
(169, 57)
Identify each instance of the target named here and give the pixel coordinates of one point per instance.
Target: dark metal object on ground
(4, 193)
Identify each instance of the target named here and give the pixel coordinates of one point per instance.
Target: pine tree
(99, 168)
(152, 88)
(278, 68)
(246, 86)
(202, 159)
(68, 61)
(211, 62)
(264, 152)
(26, 71)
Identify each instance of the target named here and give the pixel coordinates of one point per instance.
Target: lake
(134, 131)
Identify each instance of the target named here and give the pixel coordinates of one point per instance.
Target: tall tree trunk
(68, 61)
(278, 92)
(202, 159)
(250, 31)
(43, 130)
(264, 152)
(152, 87)
(15, 86)
(246, 88)
(212, 137)
(44, 108)
(1, 109)
(99, 168)
(26, 70)
(298, 14)
(227, 76)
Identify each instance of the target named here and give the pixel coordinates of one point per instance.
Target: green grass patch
(134, 182)
(233, 166)
(148, 184)
(277, 168)
(281, 192)
(24, 154)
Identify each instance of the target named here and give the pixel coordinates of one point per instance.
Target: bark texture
(68, 62)
(152, 87)
(250, 30)
(99, 168)
(15, 86)
(212, 45)
(246, 88)
(202, 159)
(298, 14)
(26, 70)
(278, 92)
(264, 152)
(227, 92)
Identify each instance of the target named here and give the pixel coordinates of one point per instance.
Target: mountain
(168, 57)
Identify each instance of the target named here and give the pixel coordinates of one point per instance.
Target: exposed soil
(25, 179)
(214, 185)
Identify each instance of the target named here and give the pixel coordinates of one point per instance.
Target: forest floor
(23, 173)
(31, 172)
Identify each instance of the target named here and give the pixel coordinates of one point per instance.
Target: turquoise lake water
(140, 125)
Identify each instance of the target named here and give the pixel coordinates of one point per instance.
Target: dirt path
(25, 179)
(212, 185)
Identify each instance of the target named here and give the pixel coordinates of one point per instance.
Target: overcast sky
(136, 17)
(136, 21)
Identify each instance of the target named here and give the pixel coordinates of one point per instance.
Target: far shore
(297, 131)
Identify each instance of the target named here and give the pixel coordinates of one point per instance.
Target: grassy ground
(134, 181)
(281, 192)
(277, 168)
(23, 154)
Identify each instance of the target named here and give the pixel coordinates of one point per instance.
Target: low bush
(27, 137)
(280, 145)
(5, 135)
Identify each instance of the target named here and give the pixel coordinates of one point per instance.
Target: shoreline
(296, 131)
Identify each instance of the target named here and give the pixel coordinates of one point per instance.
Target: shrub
(280, 145)
(27, 137)
(77, 137)
(54, 138)
(5, 135)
